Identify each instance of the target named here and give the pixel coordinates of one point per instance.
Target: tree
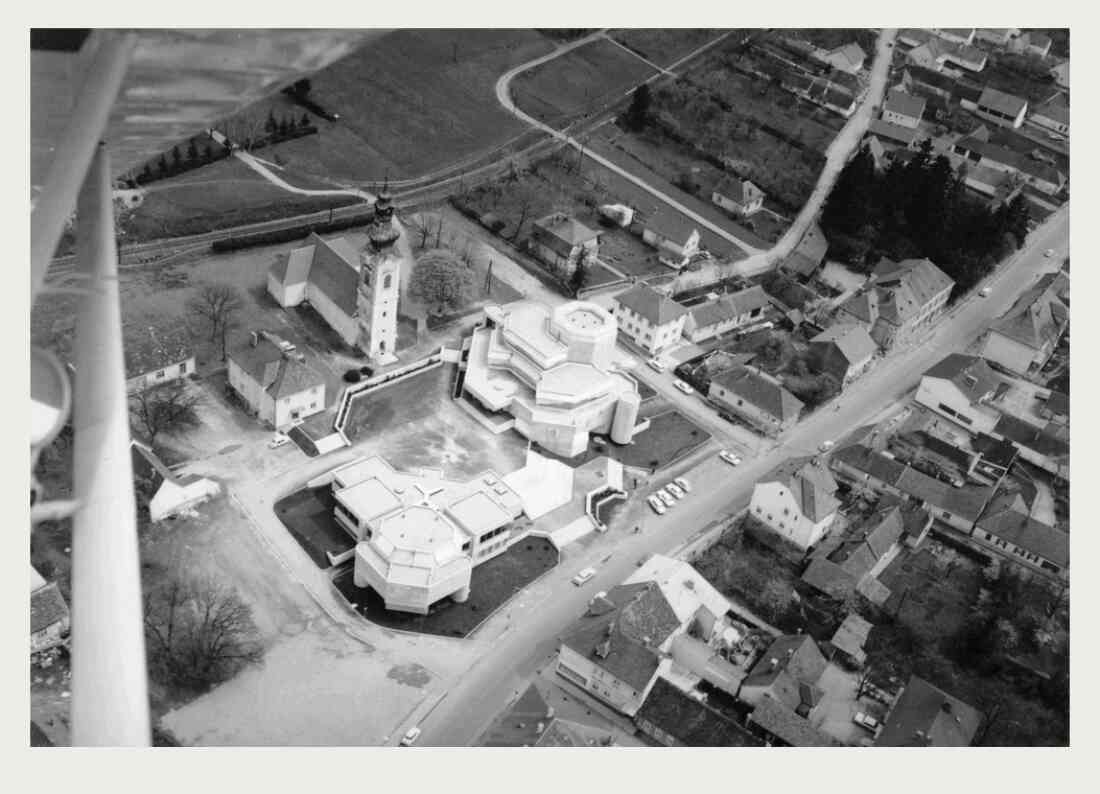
(218, 307)
(146, 174)
(775, 598)
(637, 115)
(192, 152)
(163, 410)
(284, 127)
(442, 282)
(207, 153)
(199, 633)
(162, 165)
(304, 122)
(271, 125)
(177, 158)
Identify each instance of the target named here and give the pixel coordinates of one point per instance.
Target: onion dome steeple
(382, 232)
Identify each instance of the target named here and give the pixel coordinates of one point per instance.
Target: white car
(825, 446)
(729, 457)
(666, 497)
(685, 486)
(865, 721)
(584, 576)
(657, 505)
(675, 490)
(278, 440)
(655, 365)
(679, 384)
(984, 291)
(410, 737)
(1048, 253)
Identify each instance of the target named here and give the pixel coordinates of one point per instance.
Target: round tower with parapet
(626, 417)
(588, 331)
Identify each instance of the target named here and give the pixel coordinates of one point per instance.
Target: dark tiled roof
(811, 484)
(926, 716)
(736, 189)
(904, 104)
(692, 723)
(1028, 435)
(47, 607)
(828, 577)
(561, 233)
(795, 654)
(1037, 318)
(624, 641)
(810, 251)
(655, 307)
(1021, 530)
(867, 460)
(852, 634)
(971, 374)
(1056, 109)
(1057, 403)
(764, 392)
(148, 348)
(278, 374)
(922, 278)
(335, 272)
(893, 132)
(519, 727)
(785, 725)
(842, 345)
(998, 451)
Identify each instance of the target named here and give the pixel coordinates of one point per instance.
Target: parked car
(666, 497)
(729, 457)
(655, 365)
(410, 737)
(825, 446)
(584, 576)
(1048, 253)
(984, 291)
(1054, 136)
(679, 384)
(657, 505)
(865, 721)
(683, 483)
(675, 490)
(278, 440)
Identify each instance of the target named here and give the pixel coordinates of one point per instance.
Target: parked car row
(667, 497)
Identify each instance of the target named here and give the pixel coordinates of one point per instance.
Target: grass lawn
(932, 595)
(664, 46)
(580, 82)
(670, 437)
(307, 514)
(491, 585)
(413, 101)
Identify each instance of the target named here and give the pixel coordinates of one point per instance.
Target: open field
(411, 102)
(664, 46)
(492, 584)
(580, 82)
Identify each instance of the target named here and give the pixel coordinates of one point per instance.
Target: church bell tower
(380, 284)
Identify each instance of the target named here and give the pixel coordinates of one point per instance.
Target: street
(540, 615)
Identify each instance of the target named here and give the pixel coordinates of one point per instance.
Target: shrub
(353, 376)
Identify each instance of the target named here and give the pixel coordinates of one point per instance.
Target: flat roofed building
(554, 371)
(419, 534)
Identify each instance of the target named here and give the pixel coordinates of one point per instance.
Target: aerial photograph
(549, 387)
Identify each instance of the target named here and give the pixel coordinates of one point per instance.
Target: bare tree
(199, 633)
(525, 199)
(164, 409)
(424, 230)
(218, 306)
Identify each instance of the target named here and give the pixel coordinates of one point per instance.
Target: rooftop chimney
(255, 339)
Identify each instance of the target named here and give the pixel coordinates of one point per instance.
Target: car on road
(410, 737)
(685, 486)
(657, 505)
(679, 384)
(584, 576)
(1048, 253)
(675, 490)
(729, 457)
(984, 291)
(1055, 136)
(825, 446)
(655, 365)
(666, 497)
(278, 440)
(865, 720)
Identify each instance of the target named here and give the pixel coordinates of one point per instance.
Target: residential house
(850, 639)
(865, 469)
(651, 319)
(925, 716)
(739, 196)
(1023, 340)
(899, 301)
(868, 548)
(1007, 528)
(848, 58)
(787, 673)
(960, 388)
(560, 241)
(1055, 408)
(903, 110)
(955, 35)
(893, 134)
(808, 255)
(999, 186)
(168, 494)
(1045, 447)
(999, 37)
(933, 455)
(844, 351)
(995, 457)
(1061, 74)
(674, 718)
(1053, 114)
(532, 722)
(726, 313)
(1033, 43)
(324, 273)
(796, 500)
(976, 149)
(49, 614)
(1001, 108)
(757, 398)
(779, 725)
(155, 355)
(675, 239)
(274, 379)
(942, 55)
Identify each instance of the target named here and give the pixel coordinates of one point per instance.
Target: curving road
(529, 629)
